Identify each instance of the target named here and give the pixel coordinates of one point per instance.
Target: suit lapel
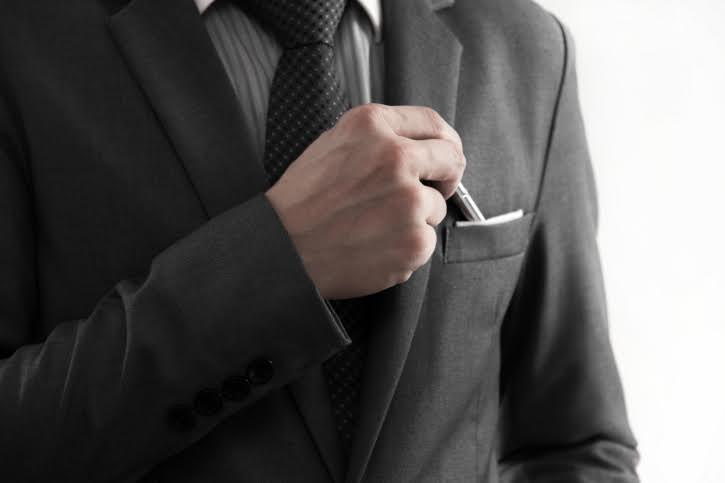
(422, 60)
(168, 50)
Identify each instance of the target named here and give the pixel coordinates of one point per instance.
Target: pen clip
(465, 202)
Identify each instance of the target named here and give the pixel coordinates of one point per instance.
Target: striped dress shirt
(250, 55)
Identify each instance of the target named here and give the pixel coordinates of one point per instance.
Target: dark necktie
(305, 100)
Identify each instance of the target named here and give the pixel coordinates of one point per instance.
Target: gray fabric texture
(142, 264)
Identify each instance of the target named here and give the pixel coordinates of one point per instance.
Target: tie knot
(297, 22)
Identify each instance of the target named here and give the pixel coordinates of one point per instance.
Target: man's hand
(353, 202)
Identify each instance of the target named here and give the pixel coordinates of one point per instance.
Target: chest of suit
(131, 154)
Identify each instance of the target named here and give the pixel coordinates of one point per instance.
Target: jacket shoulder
(523, 19)
(521, 32)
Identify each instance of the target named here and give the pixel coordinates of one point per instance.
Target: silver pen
(464, 201)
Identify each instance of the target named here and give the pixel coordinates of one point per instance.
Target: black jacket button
(236, 388)
(260, 371)
(208, 402)
(181, 417)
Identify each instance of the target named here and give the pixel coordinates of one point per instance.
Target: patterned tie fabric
(306, 99)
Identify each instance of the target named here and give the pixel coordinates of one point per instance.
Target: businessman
(229, 251)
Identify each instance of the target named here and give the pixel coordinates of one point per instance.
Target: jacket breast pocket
(471, 285)
(472, 243)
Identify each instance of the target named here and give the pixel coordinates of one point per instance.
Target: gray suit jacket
(156, 322)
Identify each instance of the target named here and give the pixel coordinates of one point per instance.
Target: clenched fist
(354, 205)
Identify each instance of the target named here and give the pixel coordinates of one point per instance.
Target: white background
(652, 86)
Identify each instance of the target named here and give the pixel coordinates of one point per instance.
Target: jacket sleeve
(108, 396)
(563, 416)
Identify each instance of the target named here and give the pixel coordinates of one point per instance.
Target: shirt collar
(371, 7)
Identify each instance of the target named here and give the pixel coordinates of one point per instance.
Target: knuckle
(365, 116)
(460, 158)
(396, 158)
(438, 124)
(456, 137)
(450, 144)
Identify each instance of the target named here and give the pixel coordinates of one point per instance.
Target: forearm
(230, 292)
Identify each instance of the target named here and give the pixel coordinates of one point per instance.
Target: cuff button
(260, 371)
(236, 388)
(208, 402)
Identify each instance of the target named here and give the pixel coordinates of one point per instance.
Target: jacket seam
(554, 118)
